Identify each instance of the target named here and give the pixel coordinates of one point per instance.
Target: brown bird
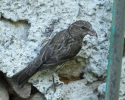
(63, 46)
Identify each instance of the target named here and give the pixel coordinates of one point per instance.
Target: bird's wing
(50, 58)
(54, 58)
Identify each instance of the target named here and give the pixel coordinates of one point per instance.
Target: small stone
(95, 48)
(102, 47)
(95, 85)
(90, 13)
(108, 8)
(35, 82)
(71, 71)
(85, 42)
(101, 89)
(14, 70)
(90, 77)
(105, 35)
(101, 22)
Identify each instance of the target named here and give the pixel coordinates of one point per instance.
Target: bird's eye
(83, 27)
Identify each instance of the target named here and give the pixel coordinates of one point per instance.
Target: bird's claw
(53, 86)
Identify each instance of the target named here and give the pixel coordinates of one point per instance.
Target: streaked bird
(63, 46)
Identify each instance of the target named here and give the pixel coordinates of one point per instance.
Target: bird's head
(81, 29)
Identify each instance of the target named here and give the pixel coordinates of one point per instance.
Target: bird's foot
(53, 86)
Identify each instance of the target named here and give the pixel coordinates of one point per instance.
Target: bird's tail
(23, 76)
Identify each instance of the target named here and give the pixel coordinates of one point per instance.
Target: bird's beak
(92, 32)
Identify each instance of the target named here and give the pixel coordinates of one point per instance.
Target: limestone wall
(26, 25)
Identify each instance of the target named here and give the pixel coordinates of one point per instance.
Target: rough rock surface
(102, 87)
(78, 91)
(26, 25)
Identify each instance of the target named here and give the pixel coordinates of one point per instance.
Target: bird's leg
(57, 69)
(54, 85)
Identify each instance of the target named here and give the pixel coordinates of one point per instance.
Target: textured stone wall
(26, 25)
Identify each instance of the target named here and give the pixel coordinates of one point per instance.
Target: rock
(122, 81)
(77, 90)
(37, 96)
(122, 86)
(85, 42)
(70, 72)
(23, 25)
(122, 98)
(102, 89)
(4, 95)
(102, 47)
(95, 85)
(90, 77)
(108, 8)
(21, 92)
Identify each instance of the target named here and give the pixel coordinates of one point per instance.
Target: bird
(65, 45)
